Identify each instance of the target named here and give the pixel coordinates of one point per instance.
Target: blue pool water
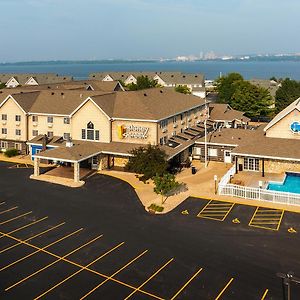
(291, 184)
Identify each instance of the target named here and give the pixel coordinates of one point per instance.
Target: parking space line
(267, 218)
(215, 210)
(224, 289)
(265, 294)
(1, 203)
(186, 284)
(152, 276)
(25, 226)
(79, 271)
(81, 266)
(31, 237)
(114, 274)
(53, 263)
(15, 218)
(8, 210)
(40, 249)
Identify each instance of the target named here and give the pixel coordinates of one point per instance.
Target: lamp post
(216, 183)
(287, 279)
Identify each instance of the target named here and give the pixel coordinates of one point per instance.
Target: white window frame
(18, 132)
(212, 152)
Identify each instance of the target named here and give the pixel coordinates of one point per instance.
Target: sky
(34, 30)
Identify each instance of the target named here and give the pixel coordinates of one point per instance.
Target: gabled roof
(294, 105)
(224, 112)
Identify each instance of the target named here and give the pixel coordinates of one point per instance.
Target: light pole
(287, 279)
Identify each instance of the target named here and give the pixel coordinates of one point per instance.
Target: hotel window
(4, 117)
(50, 119)
(18, 132)
(174, 119)
(4, 145)
(83, 134)
(18, 146)
(35, 132)
(18, 118)
(97, 135)
(50, 134)
(4, 130)
(66, 120)
(212, 152)
(66, 136)
(163, 124)
(163, 140)
(35, 118)
(197, 151)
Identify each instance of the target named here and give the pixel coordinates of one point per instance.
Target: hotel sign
(133, 132)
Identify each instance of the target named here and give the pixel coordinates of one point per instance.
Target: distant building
(15, 80)
(195, 82)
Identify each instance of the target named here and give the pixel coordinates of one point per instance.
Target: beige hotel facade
(95, 129)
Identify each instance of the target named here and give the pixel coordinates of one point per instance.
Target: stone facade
(279, 166)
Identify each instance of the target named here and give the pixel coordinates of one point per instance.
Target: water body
(211, 69)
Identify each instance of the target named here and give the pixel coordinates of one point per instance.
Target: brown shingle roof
(223, 112)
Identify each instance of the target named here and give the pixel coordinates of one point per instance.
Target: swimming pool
(291, 184)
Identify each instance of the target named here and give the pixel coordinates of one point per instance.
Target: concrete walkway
(200, 185)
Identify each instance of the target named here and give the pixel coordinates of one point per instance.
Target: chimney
(44, 142)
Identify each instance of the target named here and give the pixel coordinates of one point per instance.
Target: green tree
(147, 161)
(2, 85)
(254, 101)
(164, 184)
(142, 82)
(286, 94)
(182, 89)
(225, 86)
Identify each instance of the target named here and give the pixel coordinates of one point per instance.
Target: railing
(259, 194)
(226, 178)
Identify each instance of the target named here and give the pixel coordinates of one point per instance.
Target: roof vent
(1, 92)
(21, 92)
(69, 143)
(196, 76)
(49, 87)
(172, 76)
(161, 91)
(183, 76)
(145, 95)
(52, 93)
(80, 96)
(94, 76)
(62, 94)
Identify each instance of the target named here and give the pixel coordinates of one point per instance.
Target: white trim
(3, 102)
(133, 120)
(84, 102)
(265, 156)
(30, 79)
(10, 79)
(45, 114)
(216, 144)
(108, 78)
(52, 158)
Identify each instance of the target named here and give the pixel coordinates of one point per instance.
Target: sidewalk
(19, 159)
(200, 185)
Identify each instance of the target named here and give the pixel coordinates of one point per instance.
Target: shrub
(11, 152)
(154, 207)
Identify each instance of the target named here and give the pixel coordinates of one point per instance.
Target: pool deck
(252, 179)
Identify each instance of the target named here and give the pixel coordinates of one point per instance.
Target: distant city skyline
(39, 30)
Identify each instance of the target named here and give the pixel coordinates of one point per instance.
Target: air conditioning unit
(17, 138)
(164, 130)
(175, 126)
(189, 119)
(182, 122)
(198, 122)
(4, 136)
(4, 122)
(50, 125)
(196, 117)
(18, 123)
(35, 123)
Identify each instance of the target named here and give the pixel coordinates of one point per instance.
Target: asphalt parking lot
(97, 242)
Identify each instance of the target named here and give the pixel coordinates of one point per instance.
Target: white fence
(259, 194)
(226, 178)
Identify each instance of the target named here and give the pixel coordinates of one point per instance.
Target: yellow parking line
(15, 218)
(204, 207)
(186, 284)
(265, 294)
(32, 237)
(224, 289)
(152, 276)
(253, 215)
(114, 274)
(268, 228)
(53, 263)
(7, 210)
(39, 250)
(81, 266)
(279, 223)
(77, 272)
(25, 226)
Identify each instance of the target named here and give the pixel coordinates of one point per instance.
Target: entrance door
(95, 162)
(227, 157)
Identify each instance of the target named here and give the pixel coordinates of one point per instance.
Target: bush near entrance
(11, 152)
